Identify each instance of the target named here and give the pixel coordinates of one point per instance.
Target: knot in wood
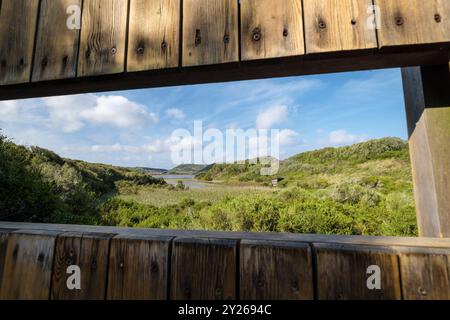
(163, 45)
(113, 50)
(285, 32)
(226, 39)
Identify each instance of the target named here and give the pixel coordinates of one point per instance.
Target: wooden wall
(126, 44)
(120, 264)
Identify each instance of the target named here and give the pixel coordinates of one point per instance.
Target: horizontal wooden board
(413, 22)
(210, 32)
(139, 268)
(27, 270)
(342, 272)
(338, 25)
(17, 33)
(103, 37)
(154, 31)
(271, 29)
(56, 44)
(275, 270)
(203, 269)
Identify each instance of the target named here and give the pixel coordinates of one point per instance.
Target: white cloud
(272, 116)
(343, 137)
(71, 113)
(176, 113)
(287, 137)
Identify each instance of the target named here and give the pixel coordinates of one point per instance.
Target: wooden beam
(427, 99)
(131, 44)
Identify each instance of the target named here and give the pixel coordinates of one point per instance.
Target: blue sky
(132, 128)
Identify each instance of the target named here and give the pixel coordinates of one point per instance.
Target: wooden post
(427, 99)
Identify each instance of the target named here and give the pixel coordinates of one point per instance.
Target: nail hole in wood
(437, 18)
(256, 34)
(399, 21)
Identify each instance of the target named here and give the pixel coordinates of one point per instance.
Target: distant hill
(381, 159)
(189, 169)
(151, 170)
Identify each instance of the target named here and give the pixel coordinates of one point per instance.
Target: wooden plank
(272, 236)
(153, 40)
(3, 246)
(271, 29)
(338, 25)
(246, 70)
(28, 265)
(427, 101)
(203, 269)
(425, 274)
(56, 45)
(90, 252)
(138, 268)
(275, 270)
(103, 37)
(411, 22)
(210, 32)
(342, 272)
(17, 33)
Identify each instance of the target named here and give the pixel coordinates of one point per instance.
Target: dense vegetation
(362, 189)
(37, 185)
(188, 169)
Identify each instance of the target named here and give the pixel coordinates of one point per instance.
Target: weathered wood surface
(151, 264)
(56, 45)
(164, 43)
(412, 22)
(278, 34)
(338, 25)
(139, 268)
(203, 269)
(103, 37)
(153, 40)
(17, 31)
(425, 274)
(290, 263)
(427, 99)
(210, 32)
(91, 253)
(28, 263)
(342, 272)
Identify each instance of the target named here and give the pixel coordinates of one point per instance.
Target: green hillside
(364, 189)
(188, 169)
(37, 185)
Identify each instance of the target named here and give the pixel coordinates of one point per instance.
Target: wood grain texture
(210, 32)
(56, 45)
(28, 265)
(275, 270)
(425, 274)
(17, 33)
(271, 29)
(3, 246)
(427, 101)
(338, 25)
(103, 37)
(88, 251)
(411, 22)
(342, 272)
(203, 269)
(154, 32)
(138, 268)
